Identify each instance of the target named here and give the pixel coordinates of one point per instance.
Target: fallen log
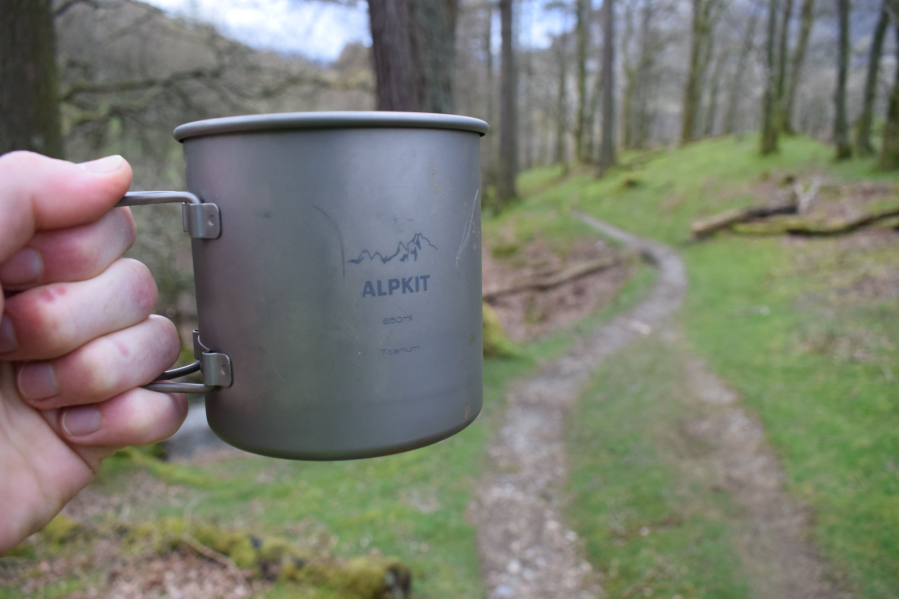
(798, 225)
(542, 283)
(723, 220)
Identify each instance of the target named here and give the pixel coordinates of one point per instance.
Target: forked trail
(526, 550)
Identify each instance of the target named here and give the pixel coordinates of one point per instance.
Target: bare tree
(704, 17)
(782, 54)
(607, 158)
(714, 88)
(769, 103)
(889, 150)
(29, 113)
(863, 127)
(641, 45)
(413, 45)
(840, 123)
(630, 68)
(489, 158)
(560, 51)
(583, 9)
(736, 82)
(796, 64)
(508, 111)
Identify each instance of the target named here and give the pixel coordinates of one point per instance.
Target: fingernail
(25, 266)
(102, 165)
(8, 341)
(81, 421)
(37, 380)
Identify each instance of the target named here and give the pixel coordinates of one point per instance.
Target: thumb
(39, 193)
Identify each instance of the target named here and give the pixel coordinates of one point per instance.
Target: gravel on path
(526, 550)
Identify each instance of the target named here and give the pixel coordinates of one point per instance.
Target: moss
(495, 341)
(23, 550)
(61, 529)
(504, 251)
(276, 558)
(371, 577)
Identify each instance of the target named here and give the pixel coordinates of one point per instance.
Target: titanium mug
(337, 261)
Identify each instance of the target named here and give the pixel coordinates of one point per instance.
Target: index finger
(40, 193)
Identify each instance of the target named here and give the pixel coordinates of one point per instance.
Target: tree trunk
(595, 99)
(628, 101)
(863, 131)
(714, 86)
(736, 83)
(769, 105)
(840, 125)
(630, 80)
(782, 53)
(525, 131)
(607, 157)
(413, 46)
(649, 48)
(889, 151)
(562, 100)
(808, 19)
(583, 10)
(508, 117)
(489, 143)
(691, 88)
(29, 109)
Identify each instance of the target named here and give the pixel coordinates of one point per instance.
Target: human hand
(77, 337)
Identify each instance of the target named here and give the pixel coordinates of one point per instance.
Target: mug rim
(329, 120)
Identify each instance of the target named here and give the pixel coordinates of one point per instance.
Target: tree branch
(65, 6)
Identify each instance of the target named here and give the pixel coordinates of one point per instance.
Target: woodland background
(118, 75)
(652, 115)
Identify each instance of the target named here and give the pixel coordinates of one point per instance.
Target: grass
(785, 325)
(651, 524)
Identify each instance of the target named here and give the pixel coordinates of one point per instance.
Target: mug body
(346, 284)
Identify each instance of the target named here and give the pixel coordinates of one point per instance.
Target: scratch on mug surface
(339, 236)
(475, 206)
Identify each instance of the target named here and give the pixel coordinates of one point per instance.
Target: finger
(73, 254)
(41, 193)
(50, 321)
(102, 368)
(136, 417)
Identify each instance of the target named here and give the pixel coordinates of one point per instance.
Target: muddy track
(526, 550)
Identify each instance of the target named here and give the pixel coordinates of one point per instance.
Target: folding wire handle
(202, 221)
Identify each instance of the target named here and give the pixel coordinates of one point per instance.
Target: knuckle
(94, 371)
(129, 228)
(168, 336)
(141, 284)
(85, 250)
(19, 161)
(157, 418)
(40, 318)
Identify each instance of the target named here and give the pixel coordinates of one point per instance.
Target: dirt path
(527, 551)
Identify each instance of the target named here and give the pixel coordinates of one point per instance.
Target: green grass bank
(787, 323)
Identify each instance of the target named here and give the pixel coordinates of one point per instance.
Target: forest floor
(802, 335)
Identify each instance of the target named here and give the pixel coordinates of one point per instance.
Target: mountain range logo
(406, 252)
